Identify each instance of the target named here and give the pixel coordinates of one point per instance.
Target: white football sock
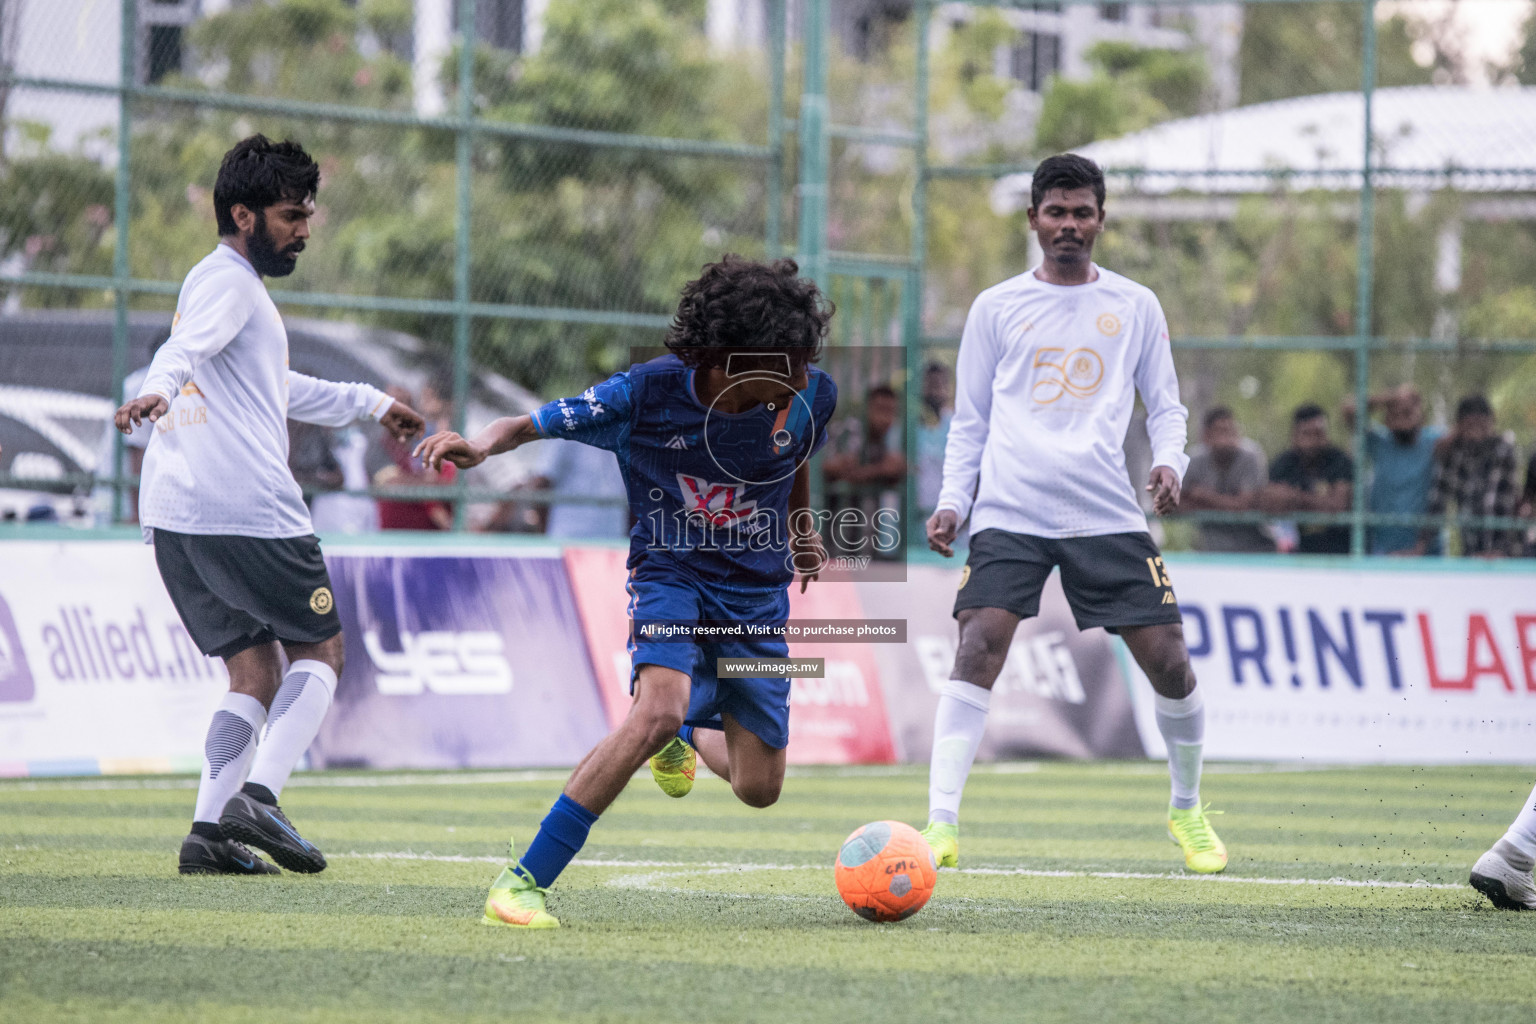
(1522, 834)
(227, 753)
(297, 711)
(957, 729)
(1182, 723)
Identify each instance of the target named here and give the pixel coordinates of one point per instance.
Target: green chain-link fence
(513, 192)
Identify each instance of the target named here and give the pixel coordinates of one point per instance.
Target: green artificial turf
(704, 910)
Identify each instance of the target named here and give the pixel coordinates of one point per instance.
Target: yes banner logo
(15, 676)
(455, 664)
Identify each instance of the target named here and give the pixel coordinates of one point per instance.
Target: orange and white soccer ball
(885, 871)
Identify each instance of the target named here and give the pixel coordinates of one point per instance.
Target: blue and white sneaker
(265, 827)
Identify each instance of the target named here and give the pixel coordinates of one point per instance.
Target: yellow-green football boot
(515, 899)
(673, 767)
(944, 838)
(1204, 852)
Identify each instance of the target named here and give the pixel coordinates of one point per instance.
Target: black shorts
(234, 593)
(1115, 580)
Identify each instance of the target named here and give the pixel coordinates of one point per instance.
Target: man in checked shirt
(1476, 471)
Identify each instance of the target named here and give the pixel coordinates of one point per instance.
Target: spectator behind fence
(938, 408)
(866, 454)
(1528, 505)
(1313, 475)
(1227, 473)
(406, 471)
(1475, 471)
(1401, 464)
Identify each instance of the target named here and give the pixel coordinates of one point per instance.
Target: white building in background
(1054, 37)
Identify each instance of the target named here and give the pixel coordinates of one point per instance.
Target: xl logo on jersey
(454, 664)
(719, 503)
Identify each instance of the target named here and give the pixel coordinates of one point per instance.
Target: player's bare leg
(661, 701)
(516, 899)
(1163, 656)
(295, 712)
(985, 636)
(736, 754)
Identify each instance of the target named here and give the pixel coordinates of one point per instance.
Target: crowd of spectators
(1413, 469)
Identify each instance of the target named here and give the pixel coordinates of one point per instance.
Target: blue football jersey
(709, 490)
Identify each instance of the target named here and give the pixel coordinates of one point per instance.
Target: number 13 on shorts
(1159, 572)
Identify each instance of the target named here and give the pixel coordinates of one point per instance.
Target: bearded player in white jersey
(1045, 384)
(233, 539)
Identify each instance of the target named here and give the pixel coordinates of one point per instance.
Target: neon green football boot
(1204, 852)
(944, 838)
(515, 899)
(673, 767)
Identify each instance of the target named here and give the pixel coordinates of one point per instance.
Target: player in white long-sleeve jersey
(233, 539)
(1049, 365)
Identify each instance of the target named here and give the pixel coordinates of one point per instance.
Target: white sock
(227, 753)
(1182, 723)
(1522, 834)
(957, 729)
(297, 711)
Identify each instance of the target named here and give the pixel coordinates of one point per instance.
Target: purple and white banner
(458, 661)
(1060, 694)
(97, 673)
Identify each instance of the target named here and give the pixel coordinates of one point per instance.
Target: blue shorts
(760, 705)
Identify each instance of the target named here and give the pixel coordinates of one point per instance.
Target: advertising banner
(1359, 664)
(1061, 693)
(97, 673)
(837, 719)
(458, 661)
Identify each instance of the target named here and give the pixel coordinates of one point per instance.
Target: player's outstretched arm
(503, 435)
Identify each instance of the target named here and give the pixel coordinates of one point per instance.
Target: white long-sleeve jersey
(218, 461)
(1043, 399)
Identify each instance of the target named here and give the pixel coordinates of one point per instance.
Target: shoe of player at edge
(944, 838)
(673, 767)
(203, 856)
(1204, 852)
(1506, 886)
(515, 899)
(265, 827)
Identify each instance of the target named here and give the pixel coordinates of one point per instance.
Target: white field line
(696, 868)
(471, 778)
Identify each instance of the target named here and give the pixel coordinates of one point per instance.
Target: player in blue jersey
(714, 441)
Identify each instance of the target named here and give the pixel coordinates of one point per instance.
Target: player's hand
(447, 446)
(1163, 485)
(943, 526)
(807, 554)
(149, 407)
(402, 421)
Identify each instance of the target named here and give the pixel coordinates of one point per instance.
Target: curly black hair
(258, 172)
(1066, 171)
(739, 303)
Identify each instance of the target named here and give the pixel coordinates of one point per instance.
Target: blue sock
(686, 735)
(562, 834)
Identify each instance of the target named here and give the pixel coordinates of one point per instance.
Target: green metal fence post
(121, 211)
(912, 287)
(1365, 279)
(464, 151)
(777, 52)
(815, 150)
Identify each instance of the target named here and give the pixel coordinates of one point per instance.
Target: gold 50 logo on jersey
(1079, 373)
